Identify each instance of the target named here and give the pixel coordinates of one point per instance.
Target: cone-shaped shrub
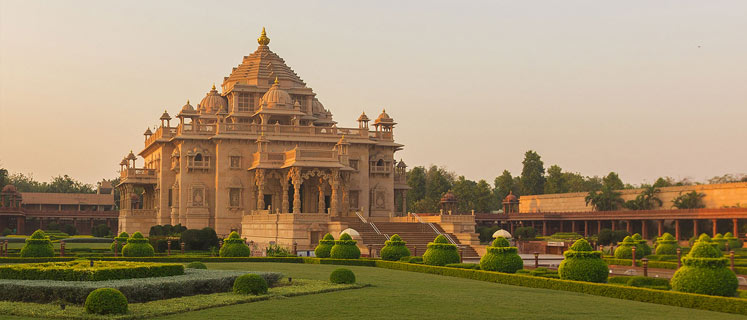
(704, 271)
(234, 246)
(440, 252)
(324, 247)
(345, 248)
(719, 240)
(138, 246)
(625, 249)
(666, 244)
(733, 241)
(583, 264)
(394, 249)
(38, 245)
(121, 241)
(501, 257)
(641, 246)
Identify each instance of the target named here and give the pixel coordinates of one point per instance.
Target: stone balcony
(138, 176)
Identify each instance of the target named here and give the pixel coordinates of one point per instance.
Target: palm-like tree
(605, 200)
(690, 200)
(647, 200)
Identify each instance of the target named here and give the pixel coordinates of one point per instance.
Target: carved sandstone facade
(263, 148)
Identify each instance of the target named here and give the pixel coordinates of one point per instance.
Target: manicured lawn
(408, 295)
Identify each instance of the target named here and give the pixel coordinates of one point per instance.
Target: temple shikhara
(264, 157)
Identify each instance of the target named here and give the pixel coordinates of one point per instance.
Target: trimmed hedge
(106, 301)
(324, 247)
(38, 245)
(501, 257)
(473, 266)
(196, 265)
(734, 242)
(394, 249)
(345, 248)
(81, 270)
(234, 246)
(138, 246)
(642, 282)
(346, 262)
(583, 264)
(193, 282)
(342, 275)
(250, 284)
(705, 272)
(642, 247)
(625, 249)
(666, 245)
(121, 241)
(440, 252)
(671, 298)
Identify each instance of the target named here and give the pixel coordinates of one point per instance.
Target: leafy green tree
(605, 200)
(427, 187)
(437, 182)
(647, 200)
(3, 178)
(613, 181)
(464, 190)
(484, 200)
(556, 180)
(663, 182)
(533, 174)
(504, 184)
(690, 200)
(416, 182)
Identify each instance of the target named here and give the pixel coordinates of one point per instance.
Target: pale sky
(644, 88)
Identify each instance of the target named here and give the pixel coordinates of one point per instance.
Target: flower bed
(82, 270)
(193, 281)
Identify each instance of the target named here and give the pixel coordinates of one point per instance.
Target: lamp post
(536, 260)
(731, 259)
(633, 262)
(168, 247)
(679, 258)
(645, 267)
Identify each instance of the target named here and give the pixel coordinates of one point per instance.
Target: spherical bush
(625, 249)
(38, 245)
(720, 241)
(666, 245)
(234, 246)
(705, 272)
(733, 241)
(583, 264)
(324, 247)
(394, 249)
(250, 284)
(121, 241)
(642, 248)
(138, 246)
(440, 252)
(342, 275)
(501, 257)
(196, 265)
(106, 301)
(345, 248)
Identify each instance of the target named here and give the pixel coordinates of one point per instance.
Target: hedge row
(193, 282)
(346, 262)
(671, 298)
(82, 271)
(659, 264)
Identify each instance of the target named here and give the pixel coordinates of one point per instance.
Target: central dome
(276, 97)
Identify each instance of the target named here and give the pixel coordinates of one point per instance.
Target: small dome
(131, 156)
(165, 115)
(449, 197)
(401, 164)
(148, 132)
(9, 188)
(510, 197)
(276, 97)
(123, 162)
(187, 109)
(502, 233)
(384, 118)
(213, 102)
(363, 117)
(352, 232)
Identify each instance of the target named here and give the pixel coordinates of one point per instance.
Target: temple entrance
(326, 204)
(268, 201)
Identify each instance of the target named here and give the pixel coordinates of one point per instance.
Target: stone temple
(263, 157)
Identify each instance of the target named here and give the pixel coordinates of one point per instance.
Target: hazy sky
(644, 88)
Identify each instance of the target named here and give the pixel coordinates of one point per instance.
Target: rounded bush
(196, 265)
(38, 245)
(342, 275)
(666, 245)
(704, 271)
(121, 241)
(106, 301)
(324, 247)
(733, 241)
(394, 249)
(250, 284)
(501, 257)
(719, 240)
(625, 249)
(440, 252)
(138, 246)
(234, 246)
(642, 248)
(583, 264)
(345, 248)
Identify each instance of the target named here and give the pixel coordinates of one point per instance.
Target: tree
(3, 178)
(605, 200)
(503, 185)
(664, 182)
(484, 200)
(533, 174)
(613, 181)
(556, 180)
(416, 182)
(647, 200)
(427, 187)
(690, 200)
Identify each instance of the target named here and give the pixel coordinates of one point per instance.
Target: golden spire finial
(276, 80)
(187, 101)
(213, 86)
(263, 40)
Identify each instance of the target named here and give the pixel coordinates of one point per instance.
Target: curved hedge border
(658, 264)
(81, 271)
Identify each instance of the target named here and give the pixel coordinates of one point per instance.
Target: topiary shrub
(121, 241)
(342, 275)
(440, 252)
(324, 247)
(416, 259)
(501, 257)
(394, 249)
(38, 245)
(234, 246)
(642, 248)
(106, 301)
(583, 264)
(625, 249)
(666, 245)
(196, 265)
(138, 246)
(345, 248)
(250, 284)
(733, 241)
(704, 271)
(719, 240)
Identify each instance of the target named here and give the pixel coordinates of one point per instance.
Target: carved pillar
(715, 228)
(677, 230)
(321, 195)
(586, 228)
(284, 185)
(404, 202)
(735, 226)
(334, 184)
(259, 179)
(297, 181)
(695, 228)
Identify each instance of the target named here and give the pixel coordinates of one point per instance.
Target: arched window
(198, 157)
(380, 163)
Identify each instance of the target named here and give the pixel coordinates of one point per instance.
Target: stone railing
(161, 132)
(380, 169)
(135, 173)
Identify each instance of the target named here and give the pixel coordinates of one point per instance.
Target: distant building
(24, 212)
